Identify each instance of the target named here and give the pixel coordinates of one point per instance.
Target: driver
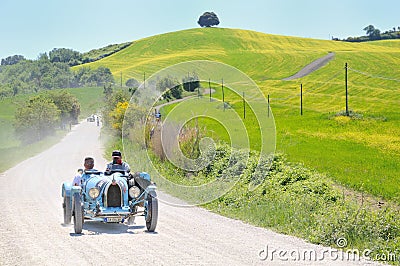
(88, 164)
(117, 163)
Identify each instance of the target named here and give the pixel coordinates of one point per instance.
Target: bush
(36, 119)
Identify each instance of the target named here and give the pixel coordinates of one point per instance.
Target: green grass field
(361, 153)
(11, 152)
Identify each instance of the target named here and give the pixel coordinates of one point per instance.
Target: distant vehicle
(90, 118)
(112, 197)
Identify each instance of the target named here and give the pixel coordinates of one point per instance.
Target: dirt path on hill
(313, 66)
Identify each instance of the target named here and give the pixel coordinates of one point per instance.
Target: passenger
(88, 163)
(117, 164)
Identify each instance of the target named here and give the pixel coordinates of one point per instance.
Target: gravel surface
(32, 230)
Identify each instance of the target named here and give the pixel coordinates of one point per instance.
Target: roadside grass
(329, 147)
(11, 151)
(292, 199)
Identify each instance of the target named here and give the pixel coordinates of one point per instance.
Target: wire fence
(322, 84)
(318, 85)
(372, 75)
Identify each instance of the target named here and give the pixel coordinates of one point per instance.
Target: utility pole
(244, 107)
(301, 99)
(268, 105)
(223, 95)
(347, 96)
(209, 88)
(189, 81)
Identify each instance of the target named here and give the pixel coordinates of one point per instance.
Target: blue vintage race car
(112, 197)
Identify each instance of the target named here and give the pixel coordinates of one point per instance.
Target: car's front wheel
(151, 211)
(67, 209)
(78, 214)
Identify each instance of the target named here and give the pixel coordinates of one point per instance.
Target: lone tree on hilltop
(208, 19)
(372, 32)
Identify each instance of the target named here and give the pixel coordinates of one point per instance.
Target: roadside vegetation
(296, 200)
(18, 121)
(292, 199)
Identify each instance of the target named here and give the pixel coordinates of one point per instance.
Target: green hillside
(362, 152)
(261, 56)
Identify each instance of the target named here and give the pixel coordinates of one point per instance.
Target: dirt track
(32, 232)
(313, 66)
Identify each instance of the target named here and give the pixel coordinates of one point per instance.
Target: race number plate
(114, 219)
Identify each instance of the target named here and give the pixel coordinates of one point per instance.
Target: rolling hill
(361, 152)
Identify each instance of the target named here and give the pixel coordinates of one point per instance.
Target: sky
(31, 27)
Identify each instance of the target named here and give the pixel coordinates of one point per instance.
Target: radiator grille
(114, 196)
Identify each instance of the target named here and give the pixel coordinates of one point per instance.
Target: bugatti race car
(110, 197)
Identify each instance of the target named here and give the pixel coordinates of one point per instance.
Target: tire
(151, 212)
(67, 209)
(78, 214)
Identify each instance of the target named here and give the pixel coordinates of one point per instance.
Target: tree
(68, 105)
(12, 60)
(36, 119)
(170, 88)
(5, 91)
(376, 34)
(132, 83)
(64, 55)
(43, 57)
(85, 76)
(369, 29)
(208, 19)
(191, 82)
(112, 101)
(176, 92)
(372, 32)
(101, 76)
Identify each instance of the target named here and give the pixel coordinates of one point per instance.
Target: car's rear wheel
(151, 211)
(78, 214)
(67, 209)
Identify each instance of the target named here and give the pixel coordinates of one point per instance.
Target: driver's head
(117, 157)
(88, 163)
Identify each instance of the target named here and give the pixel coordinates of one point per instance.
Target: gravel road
(313, 66)
(32, 232)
